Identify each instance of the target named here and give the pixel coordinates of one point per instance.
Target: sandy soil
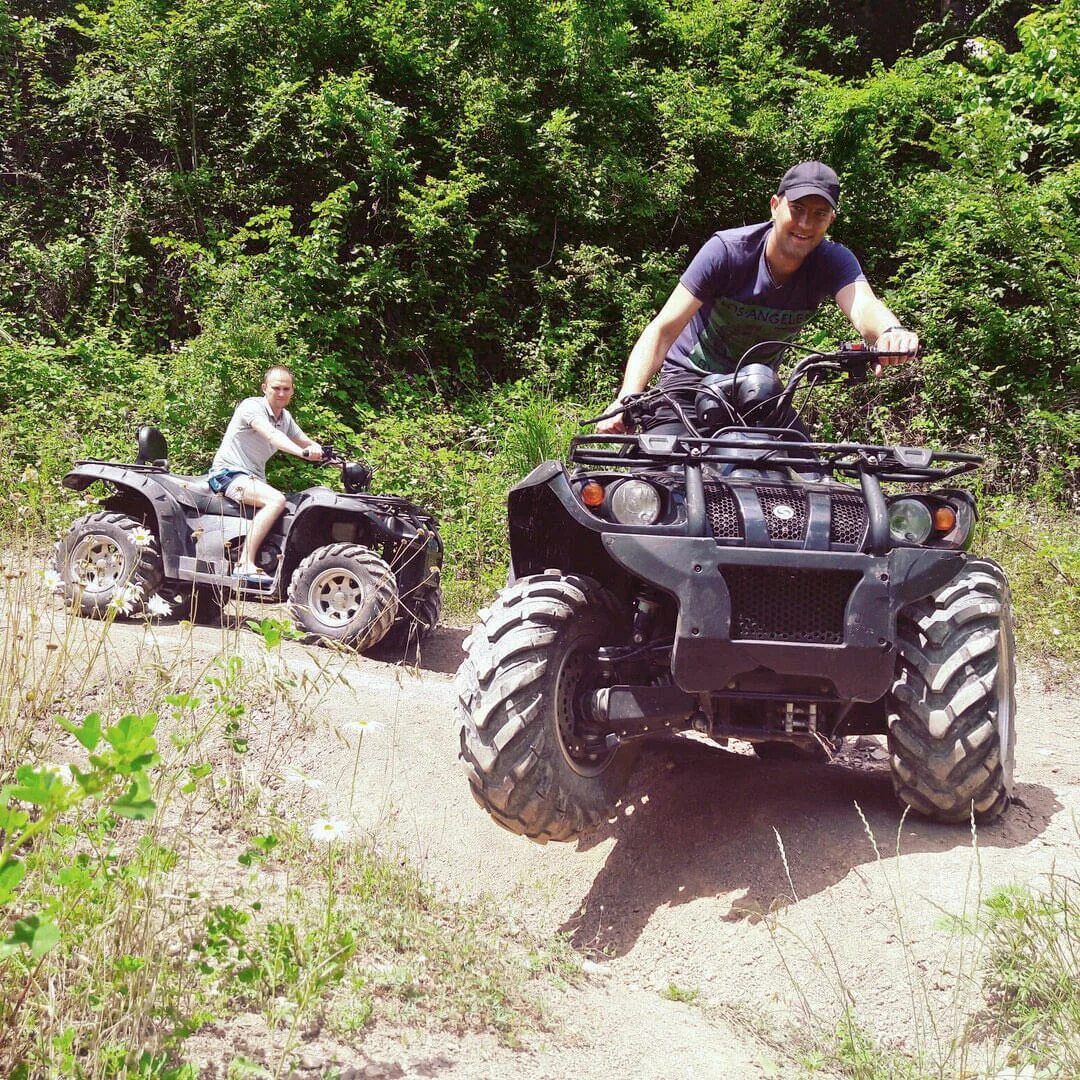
(773, 894)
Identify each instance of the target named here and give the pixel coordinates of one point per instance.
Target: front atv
(354, 568)
(741, 583)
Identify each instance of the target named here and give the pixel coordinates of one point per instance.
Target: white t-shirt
(242, 448)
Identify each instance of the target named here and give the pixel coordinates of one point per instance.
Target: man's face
(278, 390)
(801, 225)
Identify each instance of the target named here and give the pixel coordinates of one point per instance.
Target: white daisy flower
(158, 606)
(120, 603)
(327, 830)
(142, 536)
(51, 579)
(292, 775)
(358, 727)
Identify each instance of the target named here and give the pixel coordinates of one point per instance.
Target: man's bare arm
(876, 323)
(648, 354)
(280, 441)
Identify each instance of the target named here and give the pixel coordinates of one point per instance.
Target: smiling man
(755, 284)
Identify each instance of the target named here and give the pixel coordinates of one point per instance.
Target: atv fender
(142, 487)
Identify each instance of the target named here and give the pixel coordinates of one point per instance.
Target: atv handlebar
(852, 359)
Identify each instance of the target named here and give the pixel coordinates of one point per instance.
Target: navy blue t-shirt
(741, 305)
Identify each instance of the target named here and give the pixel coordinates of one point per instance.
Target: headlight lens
(910, 521)
(635, 502)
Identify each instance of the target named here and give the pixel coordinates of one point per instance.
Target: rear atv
(354, 568)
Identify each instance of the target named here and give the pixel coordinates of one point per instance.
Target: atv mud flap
(828, 615)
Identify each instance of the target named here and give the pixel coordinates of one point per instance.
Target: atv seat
(153, 449)
(195, 491)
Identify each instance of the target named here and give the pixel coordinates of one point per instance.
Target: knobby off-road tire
(418, 615)
(344, 593)
(98, 558)
(530, 664)
(952, 706)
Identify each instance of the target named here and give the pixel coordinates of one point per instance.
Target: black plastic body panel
(550, 528)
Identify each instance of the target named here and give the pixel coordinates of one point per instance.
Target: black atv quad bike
(740, 582)
(355, 568)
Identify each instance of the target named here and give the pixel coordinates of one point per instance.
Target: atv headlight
(910, 521)
(635, 502)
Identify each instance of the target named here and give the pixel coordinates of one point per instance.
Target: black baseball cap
(810, 178)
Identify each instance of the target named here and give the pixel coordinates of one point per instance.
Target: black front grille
(848, 521)
(785, 512)
(723, 512)
(773, 604)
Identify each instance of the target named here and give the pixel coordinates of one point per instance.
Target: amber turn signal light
(944, 519)
(592, 494)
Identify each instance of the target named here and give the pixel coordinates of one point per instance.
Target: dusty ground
(755, 888)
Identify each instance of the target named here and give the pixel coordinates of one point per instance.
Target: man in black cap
(759, 283)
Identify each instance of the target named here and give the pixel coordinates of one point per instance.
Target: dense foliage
(437, 210)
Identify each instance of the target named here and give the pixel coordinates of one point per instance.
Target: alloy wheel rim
(97, 563)
(335, 597)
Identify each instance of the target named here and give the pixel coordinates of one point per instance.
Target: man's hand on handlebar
(896, 340)
(312, 452)
(614, 424)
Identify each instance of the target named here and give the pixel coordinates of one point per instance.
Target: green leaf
(39, 787)
(135, 803)
(11, 818)
(11, 873)
(132, 739)
(34, 933)
(90, 732)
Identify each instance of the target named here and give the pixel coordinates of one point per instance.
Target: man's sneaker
(253, 577)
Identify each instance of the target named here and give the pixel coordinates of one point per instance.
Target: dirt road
(764, 897)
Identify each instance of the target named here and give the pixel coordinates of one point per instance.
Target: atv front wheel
(523, 690)
(952, 705)
(107, 557)
(344, 593)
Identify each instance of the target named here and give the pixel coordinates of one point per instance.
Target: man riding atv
(757, 283)
(258, 429)
(718, 575)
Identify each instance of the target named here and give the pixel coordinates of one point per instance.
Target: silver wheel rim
(97, 564)
(335, 597)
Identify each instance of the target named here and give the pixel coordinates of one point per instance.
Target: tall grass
(152, 883)
(996, 996)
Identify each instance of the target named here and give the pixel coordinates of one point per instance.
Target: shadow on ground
(701, 822)
(441, 651)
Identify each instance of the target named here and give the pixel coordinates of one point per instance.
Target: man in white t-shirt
(259, 427)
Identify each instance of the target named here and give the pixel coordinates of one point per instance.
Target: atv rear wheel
(418, 615)
(344, 593)
(108, 559)
(523, 690)
(952, 705)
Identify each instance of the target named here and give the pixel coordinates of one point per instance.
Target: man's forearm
(646, 359)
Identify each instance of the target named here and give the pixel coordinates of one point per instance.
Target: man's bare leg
(269, 504)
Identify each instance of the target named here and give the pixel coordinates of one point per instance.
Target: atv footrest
(207, 573)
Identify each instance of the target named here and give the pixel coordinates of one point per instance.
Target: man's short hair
(277, 367)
